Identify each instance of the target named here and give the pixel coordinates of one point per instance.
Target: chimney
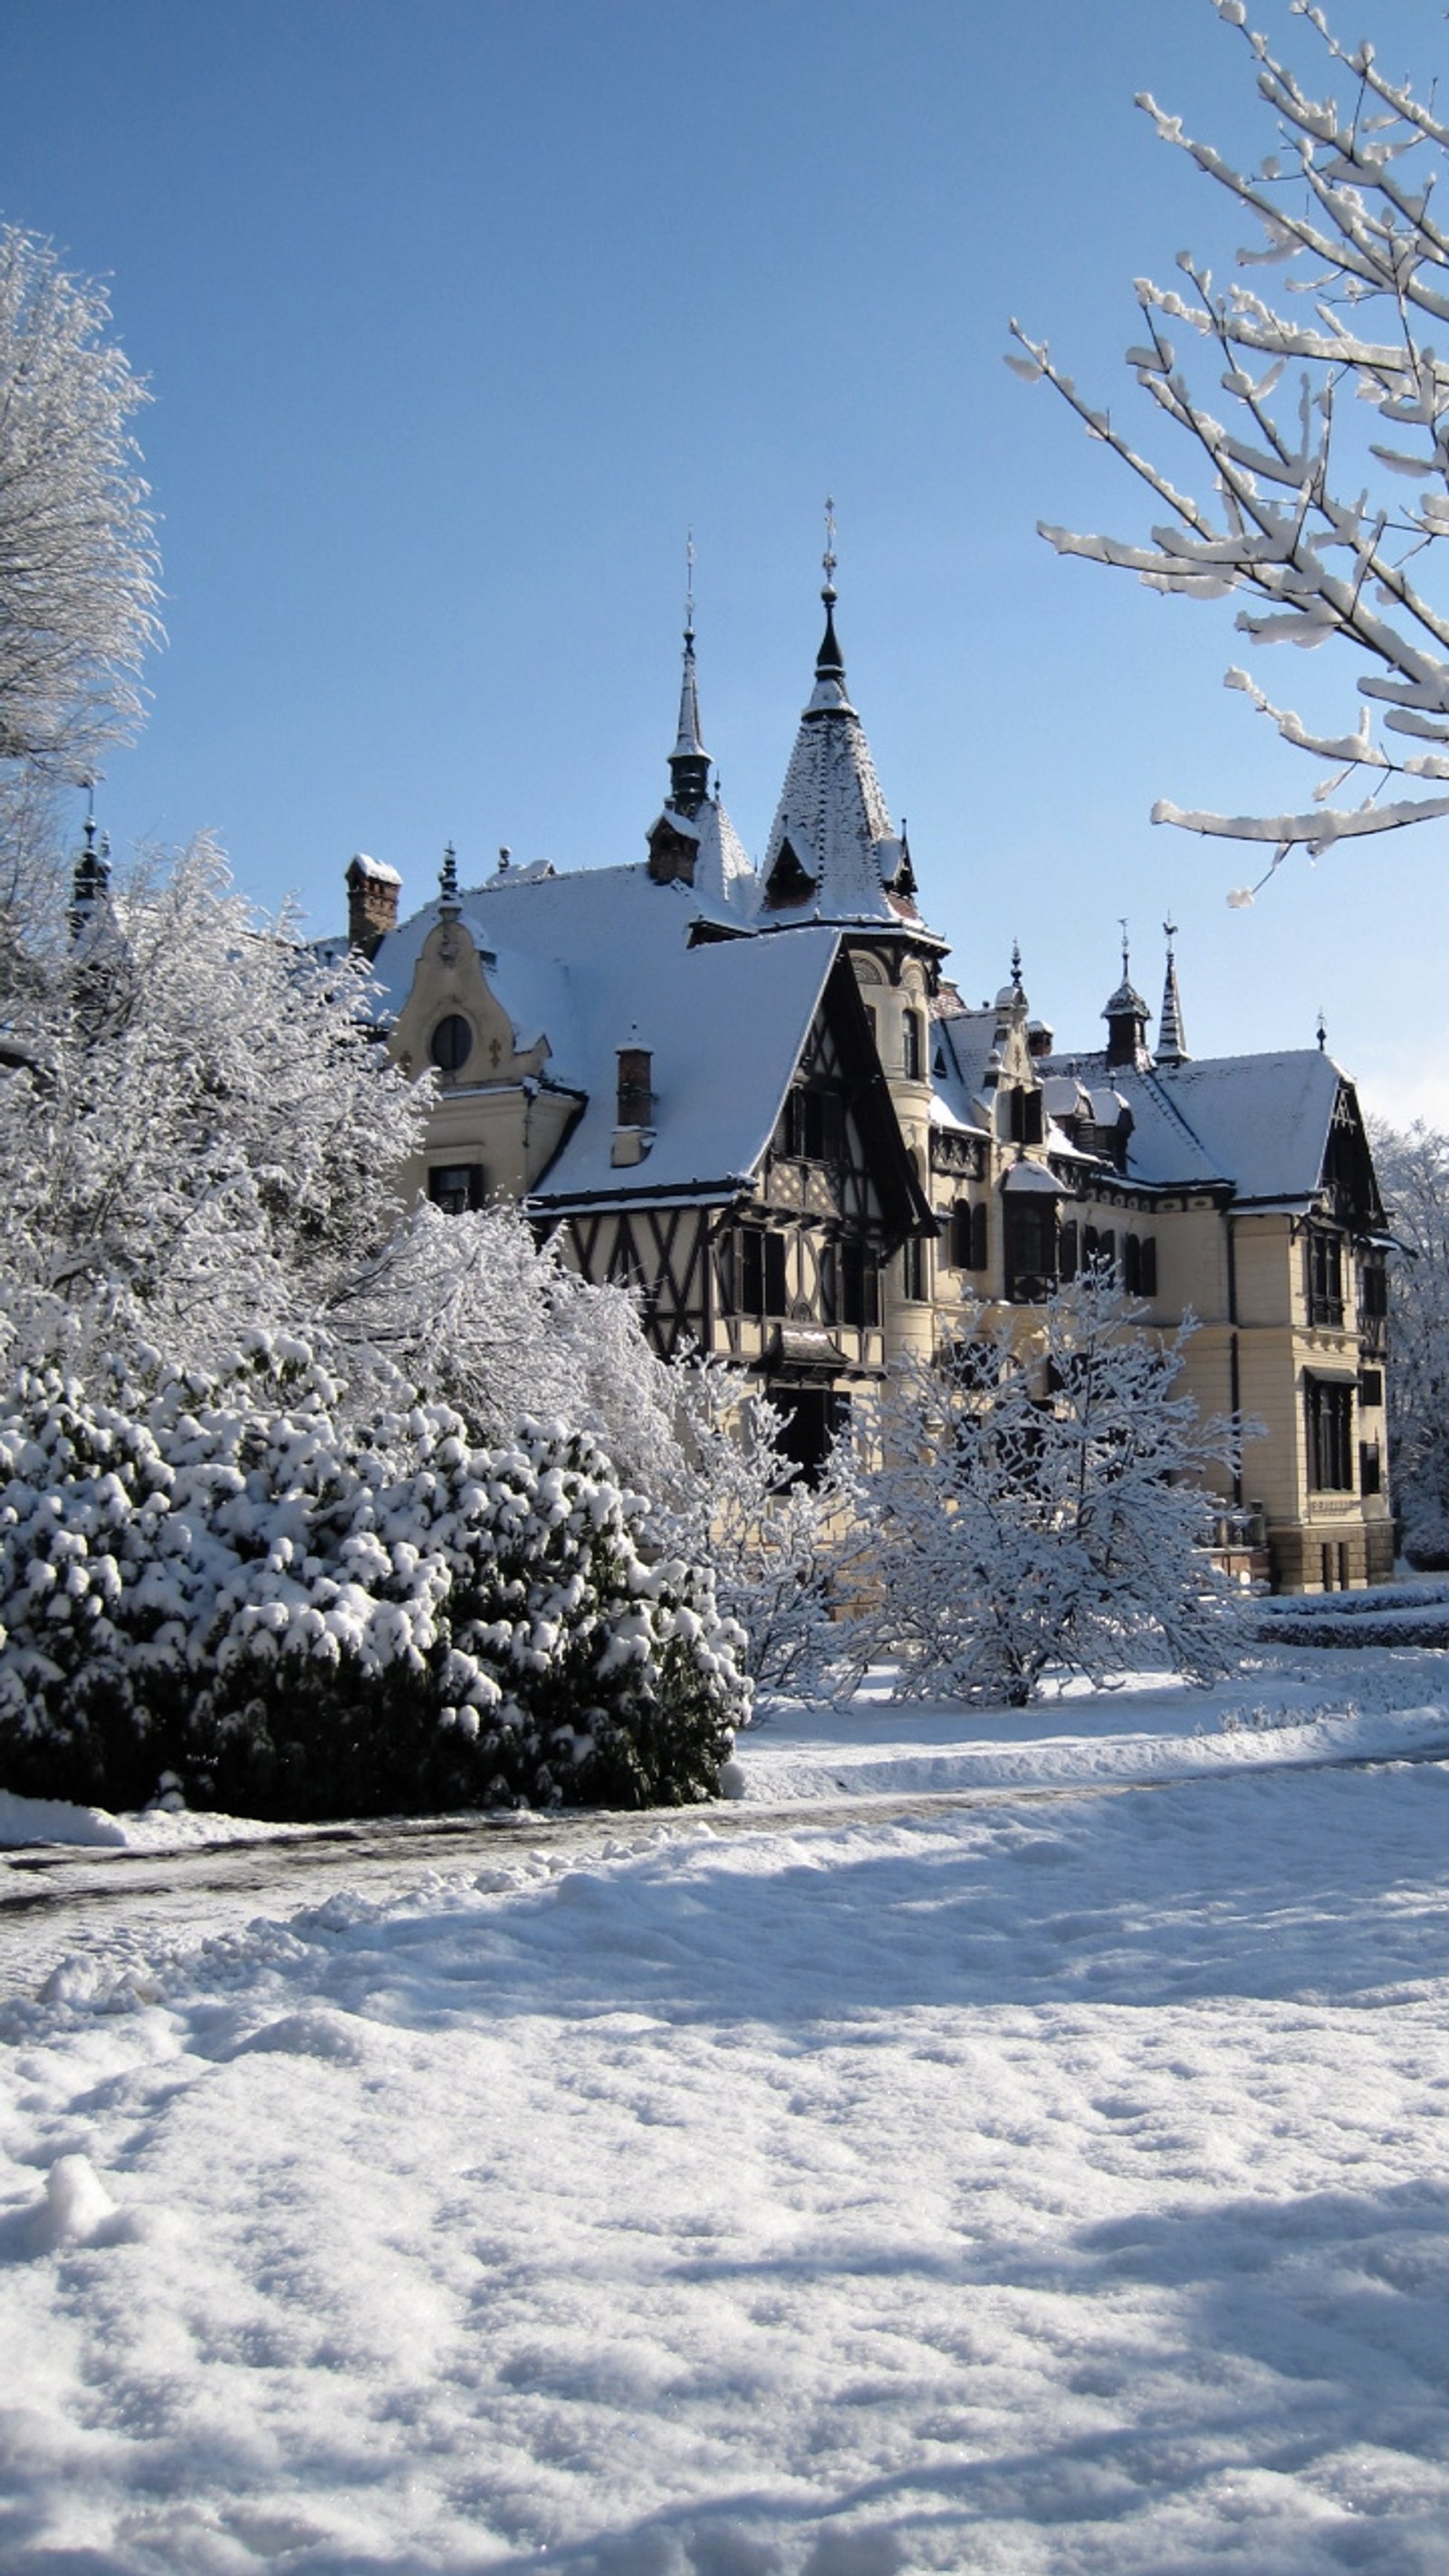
(633, 1134)
(372, 900)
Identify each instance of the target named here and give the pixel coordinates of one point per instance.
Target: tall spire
(689, 761)
(1171, 1041)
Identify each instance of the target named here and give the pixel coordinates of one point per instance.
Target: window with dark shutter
(1328, 1407)
(776, 1300)
(1067, 1250)
(1147, 1260)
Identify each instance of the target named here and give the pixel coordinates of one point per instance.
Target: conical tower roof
(833, 852)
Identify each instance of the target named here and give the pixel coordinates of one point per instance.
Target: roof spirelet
(448, 881)
(689, 761)
(1171, 1040)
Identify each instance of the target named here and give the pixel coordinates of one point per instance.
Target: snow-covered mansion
(757, 1096)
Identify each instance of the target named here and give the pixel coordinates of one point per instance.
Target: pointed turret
(1127, 1015)
(91, 878)
(833, 854)
(688, 761)
(1171, 1040)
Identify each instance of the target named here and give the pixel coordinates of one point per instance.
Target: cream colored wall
(489, 1111)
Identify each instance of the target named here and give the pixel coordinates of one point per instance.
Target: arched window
(911, 1046)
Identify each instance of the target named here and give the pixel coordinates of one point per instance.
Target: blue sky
(457, 316)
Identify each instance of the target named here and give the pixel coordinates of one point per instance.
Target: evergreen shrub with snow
(208, 1574)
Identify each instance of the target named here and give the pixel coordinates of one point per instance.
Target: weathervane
(1169, 932)
(828, 558)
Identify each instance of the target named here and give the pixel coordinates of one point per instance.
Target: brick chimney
(372, 900)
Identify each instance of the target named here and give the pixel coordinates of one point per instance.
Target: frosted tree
(78, 562)
(1040, 1504)
(1322, 521)
(783, 1551)
(1413, 1170)
(196, 1129)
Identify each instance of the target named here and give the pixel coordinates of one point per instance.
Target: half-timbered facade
(754, 1096)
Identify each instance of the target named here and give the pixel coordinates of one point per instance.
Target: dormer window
(790, 882)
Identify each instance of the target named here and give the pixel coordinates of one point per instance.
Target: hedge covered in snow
(209, 1574)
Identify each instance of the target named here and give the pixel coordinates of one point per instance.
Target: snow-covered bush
(210, 1576)
(1038, 1504)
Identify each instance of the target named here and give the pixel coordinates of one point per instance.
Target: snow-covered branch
(78, 562)
(1346, 211)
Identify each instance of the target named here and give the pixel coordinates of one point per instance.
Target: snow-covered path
(1043, 2187)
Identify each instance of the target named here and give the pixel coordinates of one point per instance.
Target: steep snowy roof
(602, 959)
(1259, 1121)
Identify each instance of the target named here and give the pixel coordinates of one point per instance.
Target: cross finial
(1322, 1033)
(1169, 932)
(828, 558)
(689, 586)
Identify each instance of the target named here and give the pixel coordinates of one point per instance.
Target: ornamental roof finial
(829, 661)
(448, 879)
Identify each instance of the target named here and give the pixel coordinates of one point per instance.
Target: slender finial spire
(1171, 1040)
(1126, 971)
(830, 661)
(1322, 1033)
(448, 879)
(689, 761)
(1016, 983)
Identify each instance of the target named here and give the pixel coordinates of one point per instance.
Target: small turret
(1127, 1015)
(91, 880)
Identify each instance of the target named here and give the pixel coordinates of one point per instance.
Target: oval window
(452, 1043)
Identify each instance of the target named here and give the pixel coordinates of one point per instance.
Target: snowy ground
(1034, 2187)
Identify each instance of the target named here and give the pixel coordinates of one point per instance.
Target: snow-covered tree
(783, 1552)
(472, 1308)
(78, 563)
(1413, 1170)
(1039, 1504)
(1326, 533)
(197, 1135)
